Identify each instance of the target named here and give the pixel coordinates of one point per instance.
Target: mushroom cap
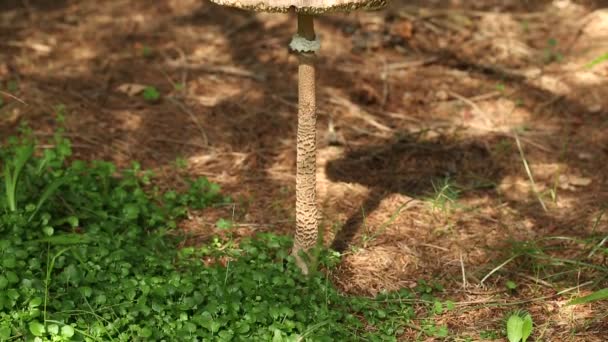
(303, 6)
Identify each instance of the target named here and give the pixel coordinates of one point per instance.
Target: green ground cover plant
(89, 253)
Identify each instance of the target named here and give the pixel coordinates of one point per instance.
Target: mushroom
(305, 42)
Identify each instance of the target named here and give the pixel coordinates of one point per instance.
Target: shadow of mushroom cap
(410, 168)
(304, 6)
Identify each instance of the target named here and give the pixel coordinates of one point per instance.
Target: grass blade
(529, 172)
(50, 189)
(601, 59)
(498, 268)
(22, 155)
(595, 296)
(49, 269)
(66, 239)
(10, 198)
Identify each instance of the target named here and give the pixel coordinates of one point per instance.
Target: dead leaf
(131, 89)
(37, 47)
(585, 156)
(580, 181)
(570, 182)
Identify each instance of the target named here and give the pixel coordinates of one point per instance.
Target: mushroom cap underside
(304, 6)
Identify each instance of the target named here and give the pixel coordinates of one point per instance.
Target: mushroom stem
(306, 26)
(306, 203)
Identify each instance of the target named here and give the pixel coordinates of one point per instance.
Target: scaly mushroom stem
(306, 202)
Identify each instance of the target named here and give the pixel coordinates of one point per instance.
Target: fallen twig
(360, 113)
(217, 69)
(464, 275)
(410, 64)
(487, 303)
(529, 172)
(13, 97)
(193, 118)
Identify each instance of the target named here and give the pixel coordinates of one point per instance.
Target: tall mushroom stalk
(305, 43)
(306, 202)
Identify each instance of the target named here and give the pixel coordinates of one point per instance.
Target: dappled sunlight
(232, 161)
(588, 79)
(553, 84)
(377, 269)
(330, 191)
(596, 27)
(498, 116)
(598, 223)
(128, 121)
(573, 316)
(183, 7)
(502, 35)
(212, 92)
(556, 185)
(83, 52)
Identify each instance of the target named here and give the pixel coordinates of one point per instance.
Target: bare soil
(409, 97)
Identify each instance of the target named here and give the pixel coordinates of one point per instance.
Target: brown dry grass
(416, 93)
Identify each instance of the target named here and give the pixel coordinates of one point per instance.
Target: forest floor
(461, 142)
